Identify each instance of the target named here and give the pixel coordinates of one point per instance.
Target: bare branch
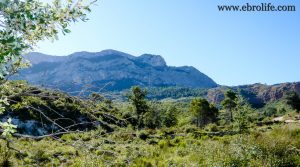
(44, 136)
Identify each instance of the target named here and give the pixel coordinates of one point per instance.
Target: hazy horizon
(232, 48)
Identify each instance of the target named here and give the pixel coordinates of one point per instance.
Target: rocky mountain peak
(154, 60)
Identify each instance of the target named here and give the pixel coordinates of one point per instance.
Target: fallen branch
(43, 136)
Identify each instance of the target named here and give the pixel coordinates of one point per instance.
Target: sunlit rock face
(113, 69)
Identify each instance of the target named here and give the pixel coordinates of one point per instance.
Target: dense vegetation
(175, 92)
(140, 132)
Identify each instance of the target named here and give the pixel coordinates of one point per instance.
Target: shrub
(212, 128)
(143, 135)
(169, 117)
(163, 144)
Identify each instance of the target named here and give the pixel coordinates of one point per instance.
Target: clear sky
(233, 48)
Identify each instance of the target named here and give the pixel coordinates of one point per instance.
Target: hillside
(256, 94)
(111, 69)
(55, 129)
(39, 111)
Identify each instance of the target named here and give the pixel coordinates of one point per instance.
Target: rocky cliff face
(111, 69)
(256, 94)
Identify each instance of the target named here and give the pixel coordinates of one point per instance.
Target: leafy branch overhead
(24, 23)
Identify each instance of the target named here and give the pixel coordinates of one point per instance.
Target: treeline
(235, 113)
(175, 92)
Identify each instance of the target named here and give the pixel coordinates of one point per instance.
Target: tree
(293, 99)
(229, 103)
(152, 119)
(269, 111)
(203, 111)
(23, 23)
(137, 98)
(242, 115)
(213, 114)
(169, 117)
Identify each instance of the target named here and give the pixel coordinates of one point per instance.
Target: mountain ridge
(256, 94)
(117, 69)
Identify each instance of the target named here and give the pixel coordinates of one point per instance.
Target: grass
(279, 146)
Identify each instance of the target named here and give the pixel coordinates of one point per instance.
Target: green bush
(143, 135)
(212, 128)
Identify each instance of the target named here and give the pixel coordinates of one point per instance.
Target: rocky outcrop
(37, 111)
(256, 94)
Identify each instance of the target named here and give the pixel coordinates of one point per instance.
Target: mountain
(109, 70)
(256, 94)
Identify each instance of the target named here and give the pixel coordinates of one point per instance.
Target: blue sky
(233, 48)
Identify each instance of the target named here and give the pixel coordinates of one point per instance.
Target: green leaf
(67, 30)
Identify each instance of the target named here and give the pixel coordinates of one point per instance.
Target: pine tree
(203, 111)
(137, 98)
(293, 99)
(229, 104)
